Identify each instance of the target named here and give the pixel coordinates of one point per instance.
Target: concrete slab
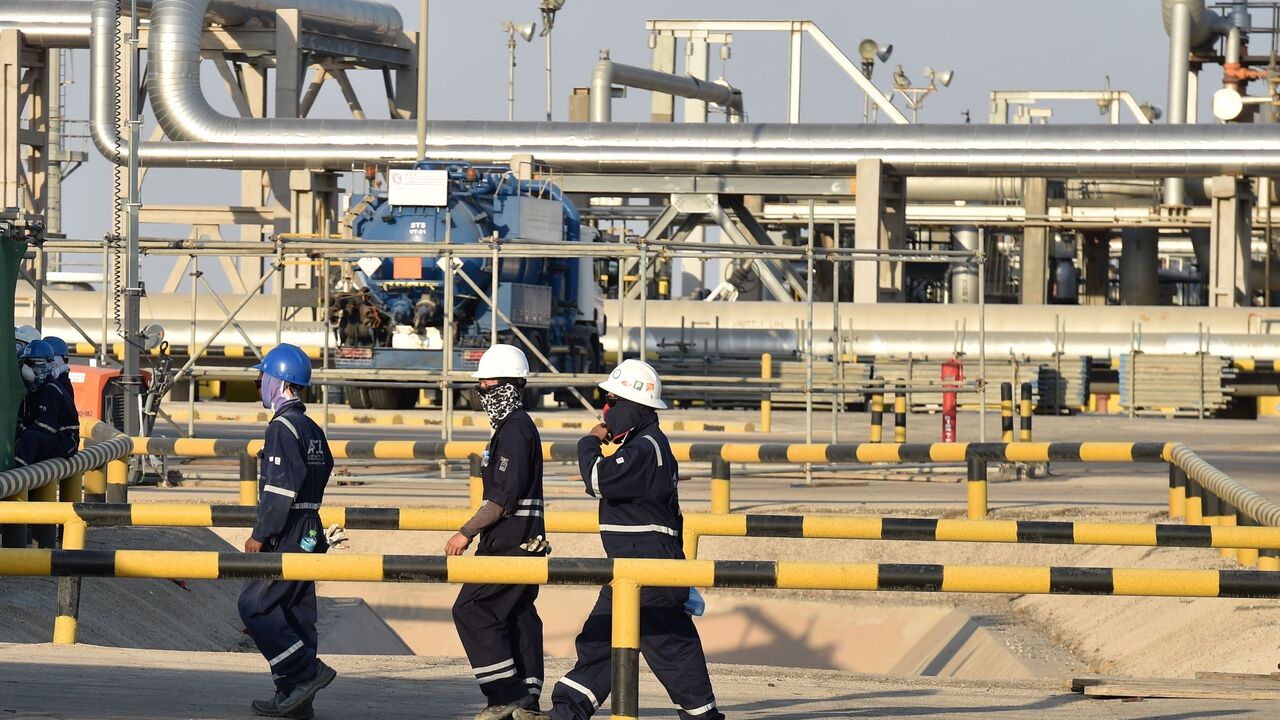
(83, 682)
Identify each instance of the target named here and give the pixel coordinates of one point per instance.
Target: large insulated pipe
(1189, 25)
(938, 150)
(964, 278)
(608, 73)
(62, 24)
(1139, 266)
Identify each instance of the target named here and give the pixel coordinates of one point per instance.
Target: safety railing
(628, 576)
(977, 456)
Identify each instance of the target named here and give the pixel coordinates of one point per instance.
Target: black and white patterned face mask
(500, 401)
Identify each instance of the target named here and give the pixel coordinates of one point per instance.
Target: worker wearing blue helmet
(295, 465)
(61, 363)
(48, 428)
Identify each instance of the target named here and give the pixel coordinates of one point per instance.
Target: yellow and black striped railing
(628, 576)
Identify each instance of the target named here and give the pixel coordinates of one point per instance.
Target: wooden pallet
(1205, 686)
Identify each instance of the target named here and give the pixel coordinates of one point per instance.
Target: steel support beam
(1035, 244)
(1230, 282)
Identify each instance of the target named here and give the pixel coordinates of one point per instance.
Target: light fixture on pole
(870, 50)
(513, 31)
(549, 9)
(915, 95)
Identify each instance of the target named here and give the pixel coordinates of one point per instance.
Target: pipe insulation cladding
(202, 137)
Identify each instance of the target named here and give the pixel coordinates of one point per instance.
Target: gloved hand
(537, 545)
(336, 537)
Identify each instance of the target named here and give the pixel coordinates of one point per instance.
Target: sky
(990, 44)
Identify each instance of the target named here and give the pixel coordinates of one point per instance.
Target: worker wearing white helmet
(498, 624)
(639, 518)
(23, 335)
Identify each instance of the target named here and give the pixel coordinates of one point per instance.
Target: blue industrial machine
(389, 312)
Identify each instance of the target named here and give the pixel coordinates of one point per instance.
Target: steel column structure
(1230, 266)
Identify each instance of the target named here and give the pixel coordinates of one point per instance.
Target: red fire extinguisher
(952, 373)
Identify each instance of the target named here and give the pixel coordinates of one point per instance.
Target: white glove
(537, 545)
(336, 536)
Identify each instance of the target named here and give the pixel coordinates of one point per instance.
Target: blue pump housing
(482, 202)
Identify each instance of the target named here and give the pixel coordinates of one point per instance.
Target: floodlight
(870, 50)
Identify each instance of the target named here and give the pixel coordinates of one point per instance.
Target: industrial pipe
(1189, 25)
(608, 73)
(97, 452)
(966, 150)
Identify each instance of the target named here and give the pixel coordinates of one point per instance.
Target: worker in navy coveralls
(639, 518)
(48, 424)
(295, 464)
(498, 624)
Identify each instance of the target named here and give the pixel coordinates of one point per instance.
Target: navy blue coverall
(639, 518)
(49, 426)
(498, 624)
(280, 615)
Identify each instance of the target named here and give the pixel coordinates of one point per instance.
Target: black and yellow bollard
(1247, 557)
(1269, 560)
(877, 410)
(1024, 414)
(1006, 413)
(475, 482)
(899, 413)
(95, 485)
(766, 403)
(248, 479)
(719, 486)
(625, 656)
(1195, 505)
(45, 536)
(1177, 492)
(118, 481)
(68, 617)
(1227, 518)
(976, 487)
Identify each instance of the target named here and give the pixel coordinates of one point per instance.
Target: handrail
(103, 444)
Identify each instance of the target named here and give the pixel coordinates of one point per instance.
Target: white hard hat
(502, 361)
(25, 334)
(636, 380)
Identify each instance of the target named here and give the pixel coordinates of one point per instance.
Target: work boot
(523, 714)
(271, 708)
(284, 704)
(502, 712)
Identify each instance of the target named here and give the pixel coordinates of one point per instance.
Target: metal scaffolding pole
(132, 377)
(808, 353)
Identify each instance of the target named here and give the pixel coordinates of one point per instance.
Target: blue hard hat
(288, 363)
(58, 345)
(37, 350)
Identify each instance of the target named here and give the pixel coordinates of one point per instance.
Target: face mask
(60, 367)
(623, 416)
(28, 376)
(271, 391)
(500, 401)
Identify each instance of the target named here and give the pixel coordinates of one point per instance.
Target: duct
(66, 23)
(812, 149)
(1203, 25)
(608, 73)
(1188, 25)
(964, 278)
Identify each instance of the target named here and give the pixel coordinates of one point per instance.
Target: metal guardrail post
(1006, 413)
(1024, 411)
(625, 660)
(899, 413)
(1227, 518)
(15, 536)
(248, 479)
(720, 486)
(118, 481)
(1248, 556)
(877, 410)
(475, 482)
(46, 536)
(1177, 492)
(766, 402)
(95, 485)
(977, 488)
(1195, 507)
(66, 623)
(72, 489)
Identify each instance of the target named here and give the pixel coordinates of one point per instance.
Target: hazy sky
(991, 44)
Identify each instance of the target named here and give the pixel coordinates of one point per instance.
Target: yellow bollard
(899, 413)
(720, 500)
(1177, 492)
(1247, 557)
(248, 479)
(626, 650)
(877, 411)
(68, 617)
(118, 481)
(95, 485)
(977, 489)
(1269, 560)
(72, 489)
(476, 483)
(691, 545)
(45, 536)
(1195, 513)
(766, 404)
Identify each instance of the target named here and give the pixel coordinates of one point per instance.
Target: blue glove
(695, 605)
